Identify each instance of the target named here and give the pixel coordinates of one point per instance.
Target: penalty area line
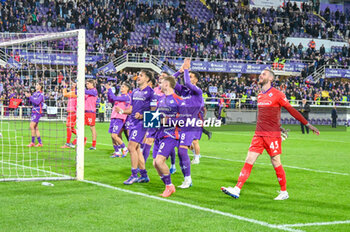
(213, 211)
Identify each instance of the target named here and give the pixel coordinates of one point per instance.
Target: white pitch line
(280, 227)
(288, 166)
(315, 170)
(242, 161)
(36, 169)
(289, 138)
(240, 218)
(317, 224)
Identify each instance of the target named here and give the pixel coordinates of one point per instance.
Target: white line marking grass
(251, 134)
(258, 163)
(284, 227)
(288, 166)
(240, 218)
(317, 224)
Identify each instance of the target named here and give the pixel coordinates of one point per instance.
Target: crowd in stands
(340, 21)
(227, 87)
(232, 31)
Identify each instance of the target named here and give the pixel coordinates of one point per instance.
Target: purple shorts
(116, 126)
(151, 133)
(186, 137)
(137, 132)
(164, 147)
(35, 117)
(198, 134)
(127, 123)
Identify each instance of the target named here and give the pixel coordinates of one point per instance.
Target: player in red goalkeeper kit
(268, 134)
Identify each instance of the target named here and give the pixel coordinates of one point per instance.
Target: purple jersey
(123, 97)
(122, 101)
(195, 92)
(181, 90)
(37, 100)
(142, 100)
(171, 107)
(194, 100)
(201, 113)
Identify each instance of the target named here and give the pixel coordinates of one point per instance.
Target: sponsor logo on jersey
(264, 103)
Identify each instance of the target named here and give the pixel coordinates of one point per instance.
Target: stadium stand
(172, 28)
(186, 28)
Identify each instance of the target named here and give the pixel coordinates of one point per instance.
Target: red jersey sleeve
(283, 101)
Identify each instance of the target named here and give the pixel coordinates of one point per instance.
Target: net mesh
(30, 67)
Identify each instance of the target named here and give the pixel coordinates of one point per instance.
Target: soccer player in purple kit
(193, 98)
(197, 136)
(37, 100)
(171, 108)
(142, 99)
(151, 132)
(118, 120)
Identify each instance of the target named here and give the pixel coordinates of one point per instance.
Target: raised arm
(113, 98)
(189, 85)
(92, 92)
(36, 100)
(70, 94)
(177, 74)
(178, 87)
(285, 104)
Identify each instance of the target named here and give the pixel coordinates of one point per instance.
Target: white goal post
(22, 57)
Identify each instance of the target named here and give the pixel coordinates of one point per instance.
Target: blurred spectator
(334, 117)
(304, 110)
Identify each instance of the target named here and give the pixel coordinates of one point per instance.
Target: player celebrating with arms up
(72, 112)
(37, 99)
(118, 120)
(170, 107)
(268, 134)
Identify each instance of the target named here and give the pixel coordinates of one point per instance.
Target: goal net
(42, 83)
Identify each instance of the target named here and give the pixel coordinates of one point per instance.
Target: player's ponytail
(41, 85)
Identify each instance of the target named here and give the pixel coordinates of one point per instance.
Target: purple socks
(172, 157)
(116, 148)
(185, 162)
(134, 172)
(145, 151)
(166, 179)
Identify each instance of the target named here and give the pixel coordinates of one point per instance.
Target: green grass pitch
(318, 182)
